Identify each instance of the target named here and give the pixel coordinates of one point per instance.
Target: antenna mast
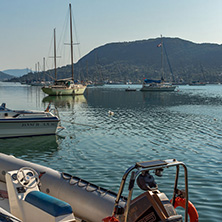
(71, 41)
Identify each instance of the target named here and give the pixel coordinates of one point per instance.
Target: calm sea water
(186, 125)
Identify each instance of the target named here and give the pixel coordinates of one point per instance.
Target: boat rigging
(65, 86)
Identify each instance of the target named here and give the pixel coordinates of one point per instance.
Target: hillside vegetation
(183, 61)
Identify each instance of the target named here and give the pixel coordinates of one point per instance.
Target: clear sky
(26, 26)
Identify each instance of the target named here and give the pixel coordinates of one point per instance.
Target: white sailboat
(64, 87)
(158, 85)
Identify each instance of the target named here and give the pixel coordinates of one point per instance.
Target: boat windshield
(3, 107)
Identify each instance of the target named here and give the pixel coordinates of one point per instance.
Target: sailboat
(64, 87)
(158, 85)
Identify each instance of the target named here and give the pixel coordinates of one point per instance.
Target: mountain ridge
(5, 77)
(184, 61)
(16, 72)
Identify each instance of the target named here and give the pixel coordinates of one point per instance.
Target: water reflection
(160, 98)
(64, 101)
(30, 147)
(119, 98)
(71, 109)
(185, 125)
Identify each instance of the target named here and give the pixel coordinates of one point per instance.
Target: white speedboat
(31, 192)
(18, 123)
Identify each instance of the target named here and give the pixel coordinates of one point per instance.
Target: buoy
(181, 202)
(111, 113)
(110, 219)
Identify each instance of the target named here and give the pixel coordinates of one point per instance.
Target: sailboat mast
(162, 56)
(55, 53)
(71, 42)
(44, 68)
(43, 64)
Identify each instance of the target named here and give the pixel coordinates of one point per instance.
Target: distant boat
(38, 83)
(202, 79)
(158, 85)
(129, 82)
(197, 83)
(65, 86)
(19, 123)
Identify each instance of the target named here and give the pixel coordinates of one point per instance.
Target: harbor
(184, 124)
(110, 112)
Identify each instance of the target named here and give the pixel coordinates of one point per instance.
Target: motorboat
(31, 192)
(19, 123)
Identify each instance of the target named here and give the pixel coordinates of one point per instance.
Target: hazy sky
(26, 26)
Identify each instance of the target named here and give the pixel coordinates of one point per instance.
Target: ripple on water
(185, 125)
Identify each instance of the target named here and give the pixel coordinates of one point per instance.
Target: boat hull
(57, 91)
(28, 127)
(148, 88)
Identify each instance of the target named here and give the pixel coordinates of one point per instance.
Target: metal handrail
(146, 166)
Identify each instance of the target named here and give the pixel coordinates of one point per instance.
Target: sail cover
(151, 81)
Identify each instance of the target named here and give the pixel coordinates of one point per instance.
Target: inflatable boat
(30, 192)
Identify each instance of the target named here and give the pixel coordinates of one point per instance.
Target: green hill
(184, 61)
